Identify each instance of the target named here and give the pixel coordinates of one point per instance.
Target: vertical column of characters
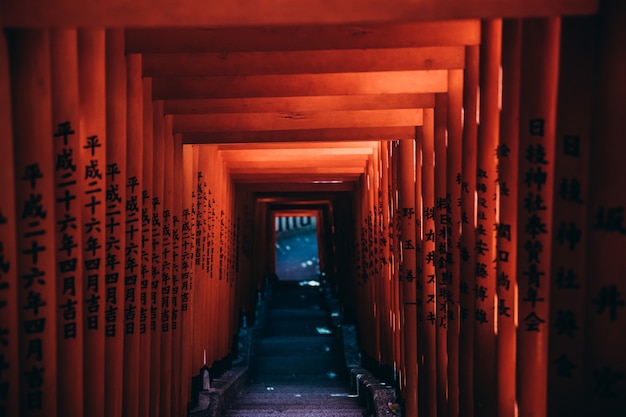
(540, 43)
(485, 380)
(165, 294)
(178, 403)
(453, 266)
(66, 139)
(442, 235)
(91, 65)
(429, 281)
(605, 287)
(506, 226)
(577, 86)
(29, 60)
(408, 260)
(467, 181)
(115, 220)
(9, 306)
(188, 228)
(145, 277)
(132, 236)
(157, 261)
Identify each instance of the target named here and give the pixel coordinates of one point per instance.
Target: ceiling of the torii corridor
(300, 103)
(293, 91)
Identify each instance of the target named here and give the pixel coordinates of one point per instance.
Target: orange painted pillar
(419, 234)
(91, 77)
(442, 232)
(115, 220)
(429, 256)
(9, 306)
(67, 143)
(407, 277)
(29, 58)
(605, 366)
(453, 265)
(132, 255)
(156, 273)
(202, 306)
(485, 376)
(389, 285)
(178, 403)
(146, 185)
(383, 213)
(507, 227)
(164, 297)
(576, 95)
(540, 54)
(467, 254)
(393, 316)
(188, 228)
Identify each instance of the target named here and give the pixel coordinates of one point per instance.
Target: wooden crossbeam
(301, 104)
(303, 62)
(390, 82)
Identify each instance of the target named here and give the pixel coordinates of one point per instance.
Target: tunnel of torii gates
(479, 248)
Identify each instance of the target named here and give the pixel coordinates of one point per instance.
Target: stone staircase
(298, 368)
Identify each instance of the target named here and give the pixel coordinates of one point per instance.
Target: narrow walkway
(298, 368)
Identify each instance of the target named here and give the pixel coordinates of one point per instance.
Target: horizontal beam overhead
(391, 82)
(311, 135)
(296, 121)
(142, 13)
(316, 162)
(285, 186)
(302, 178)
(286, 146)
(299, 62)
(301, 104)
(278, 154)
(302, 38)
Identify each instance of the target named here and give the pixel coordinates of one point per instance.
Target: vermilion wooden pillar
(186, 268)
(408, 260)
(203, 353)
(485, 380)
(146, 247)
(576, 94)
(132, 255)
(165, 293)
(453, 172)
(9, 306)
(540, 54)
(605, 366)
(157, 261)
(394, 320)
(428, 260)
(507, 227)
(91, 76)
(389, 285)
(466, 253)
(178, 404)
(384, 276)
(29, 58)
(115, 220)
(419, 223)
(68, 176)
(442, 233)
